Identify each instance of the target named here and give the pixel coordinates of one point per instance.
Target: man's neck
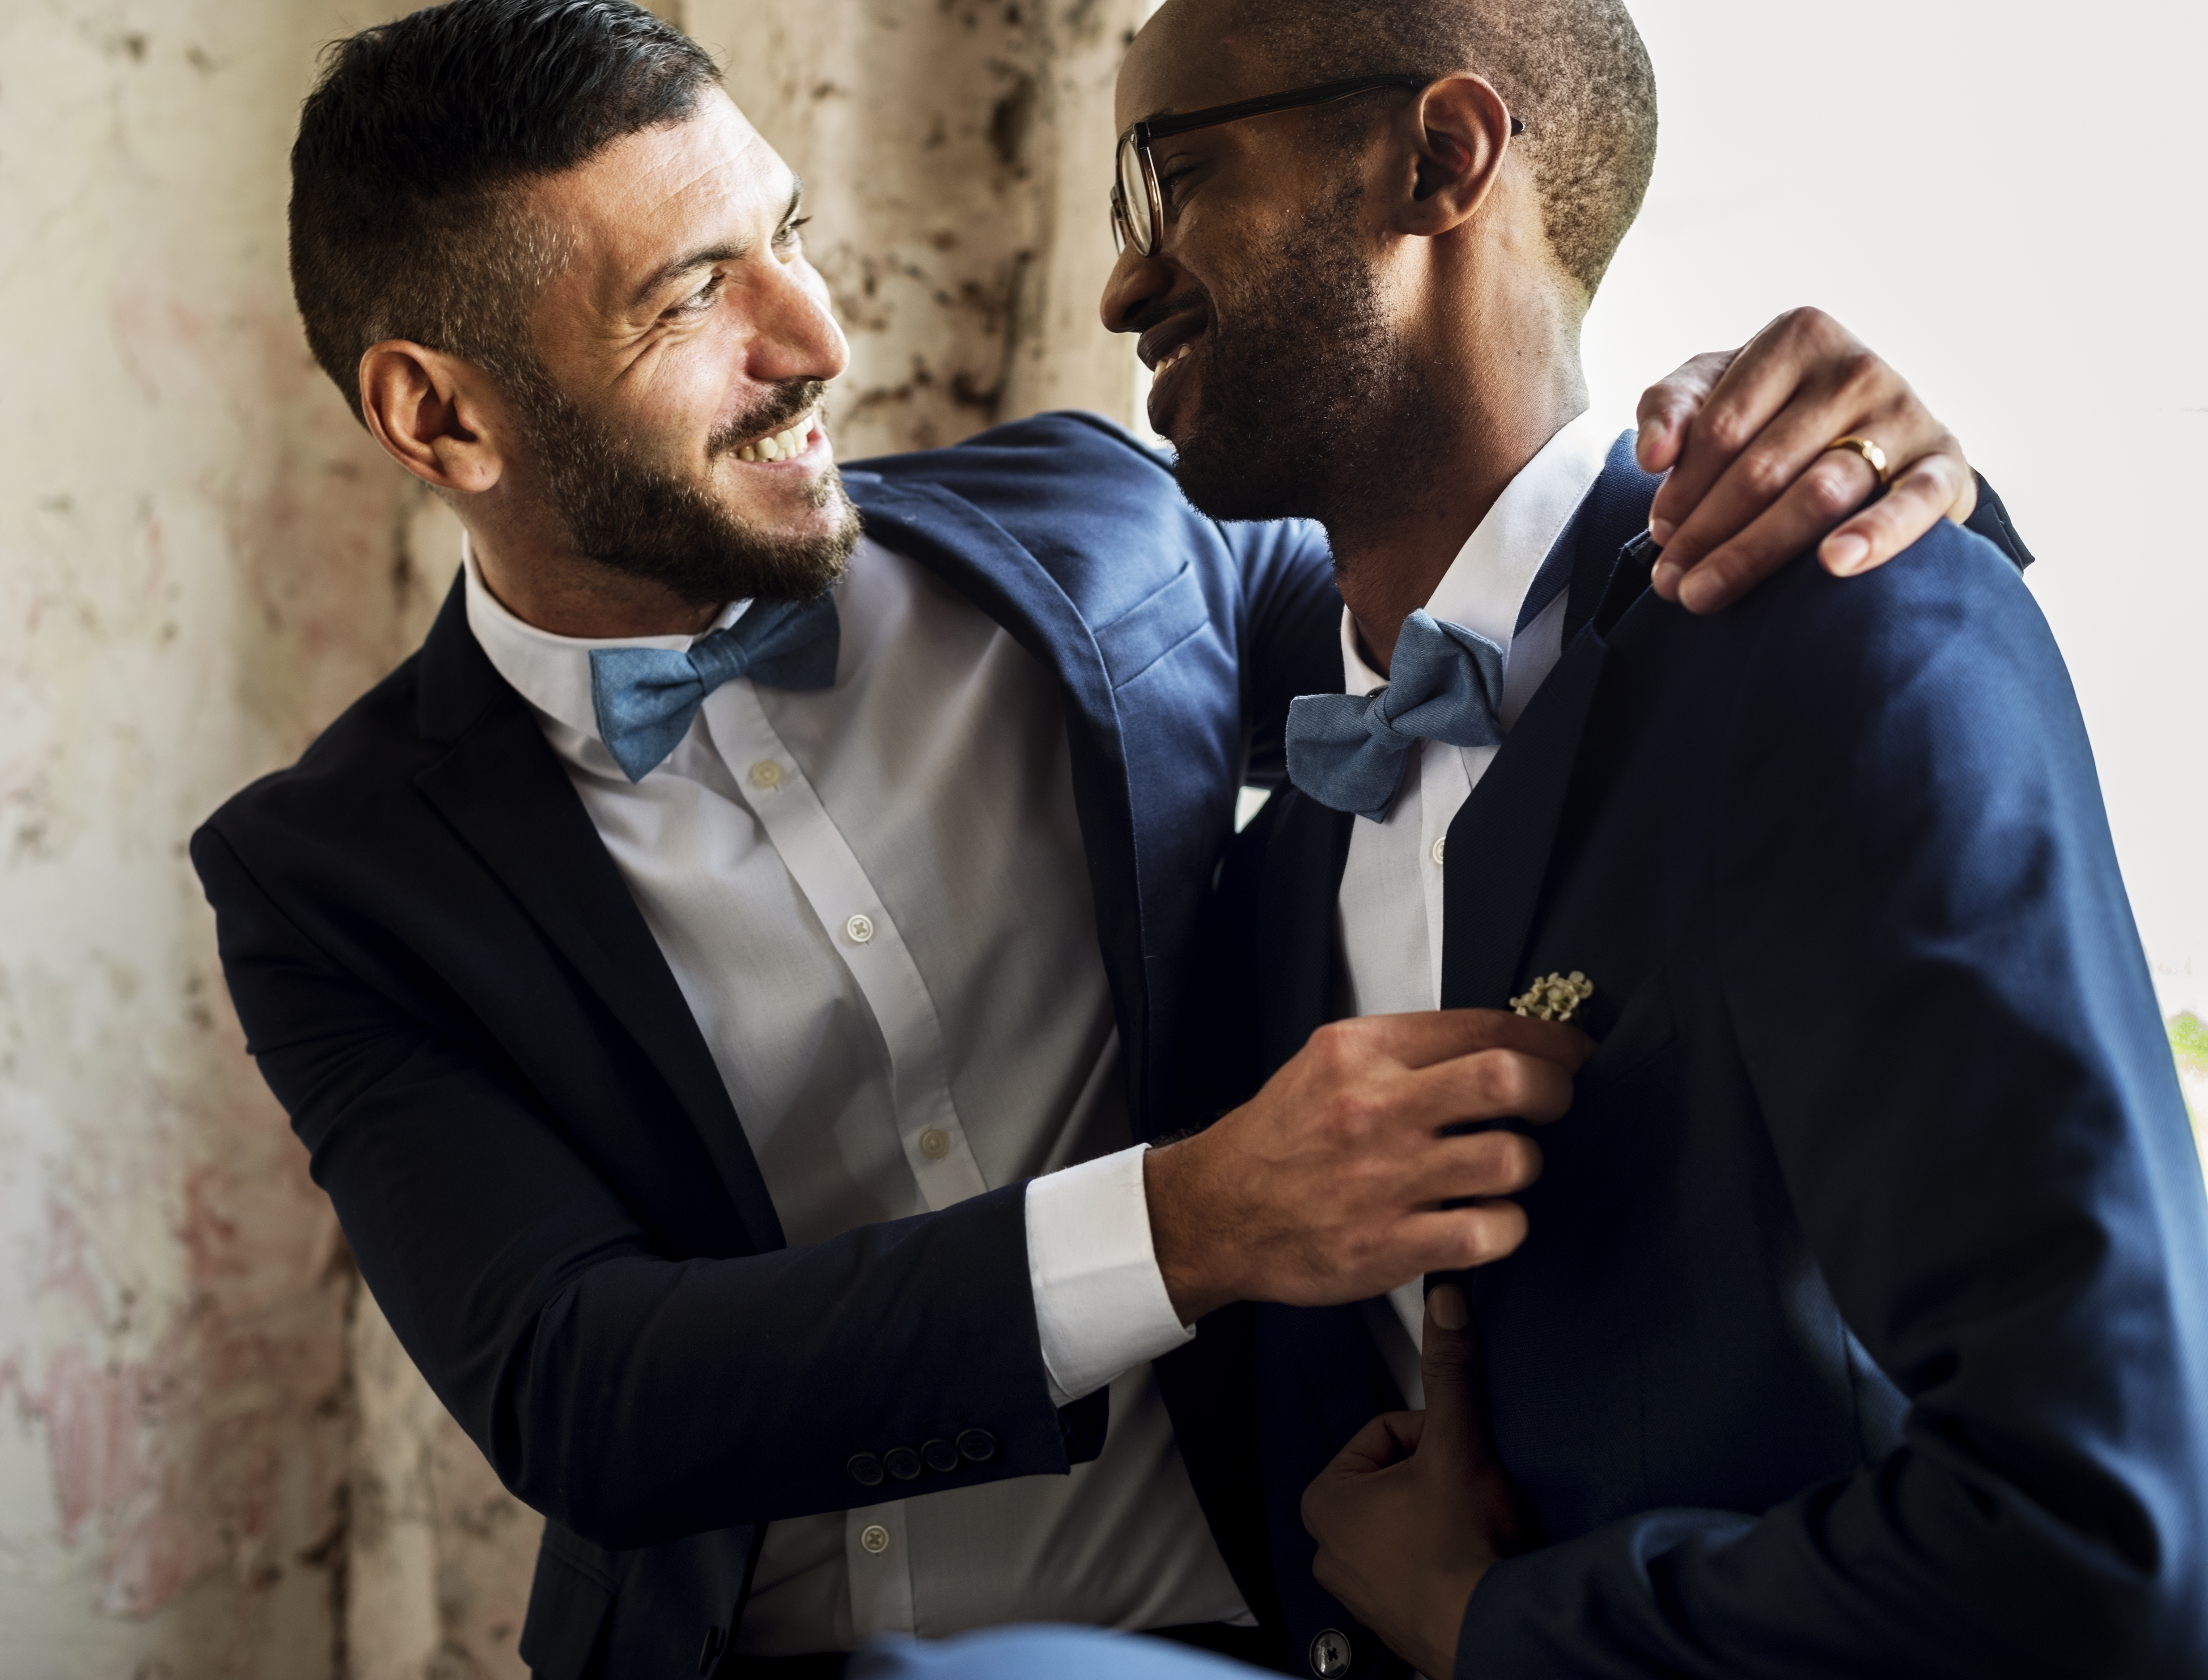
(563, 594)
(1390, 568)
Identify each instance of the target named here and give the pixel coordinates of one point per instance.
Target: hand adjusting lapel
(645, 697)
(1445, 683)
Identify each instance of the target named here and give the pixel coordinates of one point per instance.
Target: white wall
(2007, 202)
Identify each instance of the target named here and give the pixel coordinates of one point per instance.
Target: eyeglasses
(1138, 207)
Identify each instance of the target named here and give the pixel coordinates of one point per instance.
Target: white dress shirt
(875, 898)
(1390, 902)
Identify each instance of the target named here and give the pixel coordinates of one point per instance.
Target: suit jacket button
(939, 1455)
(1330, 1654)
(866, 1469)
(976, 1446)
(902, 1463)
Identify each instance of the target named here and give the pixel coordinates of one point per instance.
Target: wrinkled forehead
(663, 188)
(1189, 56)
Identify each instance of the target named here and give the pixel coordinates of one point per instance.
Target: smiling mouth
(1171, 359)
(786, 445)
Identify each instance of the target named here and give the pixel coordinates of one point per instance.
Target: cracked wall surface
(214, 1459)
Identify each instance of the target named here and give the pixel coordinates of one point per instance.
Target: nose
(1135, 281)
(794, 333)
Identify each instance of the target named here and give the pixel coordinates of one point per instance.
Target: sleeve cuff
(1101, 1303)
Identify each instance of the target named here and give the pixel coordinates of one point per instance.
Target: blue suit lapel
(1299, 877)
(1499, 843)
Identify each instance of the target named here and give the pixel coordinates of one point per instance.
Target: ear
(1451, 143)
(434, 414)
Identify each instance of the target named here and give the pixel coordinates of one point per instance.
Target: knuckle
(1724, 426)
(1833, 488)
(1500, 1079)
(1351, 1115)
(1766, 473)
(1862, 371)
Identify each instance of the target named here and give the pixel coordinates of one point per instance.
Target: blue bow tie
(645, 697)
(1348, 752)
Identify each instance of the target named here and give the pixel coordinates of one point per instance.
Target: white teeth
(1171, 359)
(783, 445)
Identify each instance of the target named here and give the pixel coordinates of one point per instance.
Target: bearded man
(1859, 1330)
(727, 978)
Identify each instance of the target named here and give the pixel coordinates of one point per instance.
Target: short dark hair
(405, 222)
(1576, 71)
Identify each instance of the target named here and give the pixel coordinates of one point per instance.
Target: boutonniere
(1556, 998)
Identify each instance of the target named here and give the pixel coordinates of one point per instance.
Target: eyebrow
(706, 255)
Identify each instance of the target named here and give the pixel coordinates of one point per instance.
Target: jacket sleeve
(631, 1396)
(1927, 956)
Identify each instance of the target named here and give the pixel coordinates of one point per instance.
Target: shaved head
(1575, 71)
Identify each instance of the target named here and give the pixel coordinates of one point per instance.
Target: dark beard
(640, 519)
(1309, 406)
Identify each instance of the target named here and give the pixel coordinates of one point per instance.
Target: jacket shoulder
(373, 749)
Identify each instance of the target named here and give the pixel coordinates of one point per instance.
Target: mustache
(774, 411)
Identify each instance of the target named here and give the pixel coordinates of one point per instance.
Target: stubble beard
(634, 516)
(1310, 406)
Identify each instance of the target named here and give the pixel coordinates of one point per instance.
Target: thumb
(1454, 1370)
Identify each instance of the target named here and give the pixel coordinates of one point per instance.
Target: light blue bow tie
(645, 697)
(1348, 752)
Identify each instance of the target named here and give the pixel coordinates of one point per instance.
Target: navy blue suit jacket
(1863, 1327)
(449, 986)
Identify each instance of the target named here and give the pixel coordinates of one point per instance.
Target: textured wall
(213, 1459)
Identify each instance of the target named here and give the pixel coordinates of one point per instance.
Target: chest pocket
(1153, 628)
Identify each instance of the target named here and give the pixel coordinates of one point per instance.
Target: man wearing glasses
(1859, 1328)
(725, 980)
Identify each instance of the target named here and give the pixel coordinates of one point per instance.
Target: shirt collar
(1485, 585)
(553, 673)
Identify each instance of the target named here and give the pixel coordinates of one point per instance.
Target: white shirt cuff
(1100, 1303)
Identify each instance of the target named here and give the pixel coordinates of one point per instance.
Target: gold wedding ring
(1870, 452)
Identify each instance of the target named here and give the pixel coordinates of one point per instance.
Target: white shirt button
(860, 928)
(767, 776)
(875, 1538)
(1440, 846)
(935, 1143)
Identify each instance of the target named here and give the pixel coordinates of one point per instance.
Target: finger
(1425, 1037)
(1769, 371)
(1796, 446)
(1833, 486)
(1929, 491)
(1468, 1168)
(1450, 1362)
(1491, 1085)
(1458, 1240)
(1669, 405)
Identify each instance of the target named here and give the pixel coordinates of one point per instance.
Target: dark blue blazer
(533, 1157)
(1863, 1327)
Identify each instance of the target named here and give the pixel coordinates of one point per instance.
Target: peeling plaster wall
(957, 162)
(214, 1460)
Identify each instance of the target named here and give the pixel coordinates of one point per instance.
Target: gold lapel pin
(1556, 997)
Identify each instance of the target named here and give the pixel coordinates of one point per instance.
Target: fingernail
(1446, 1305)
(1701, 593)
(1846, 553)
(1660, 531)
(1664, 579)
